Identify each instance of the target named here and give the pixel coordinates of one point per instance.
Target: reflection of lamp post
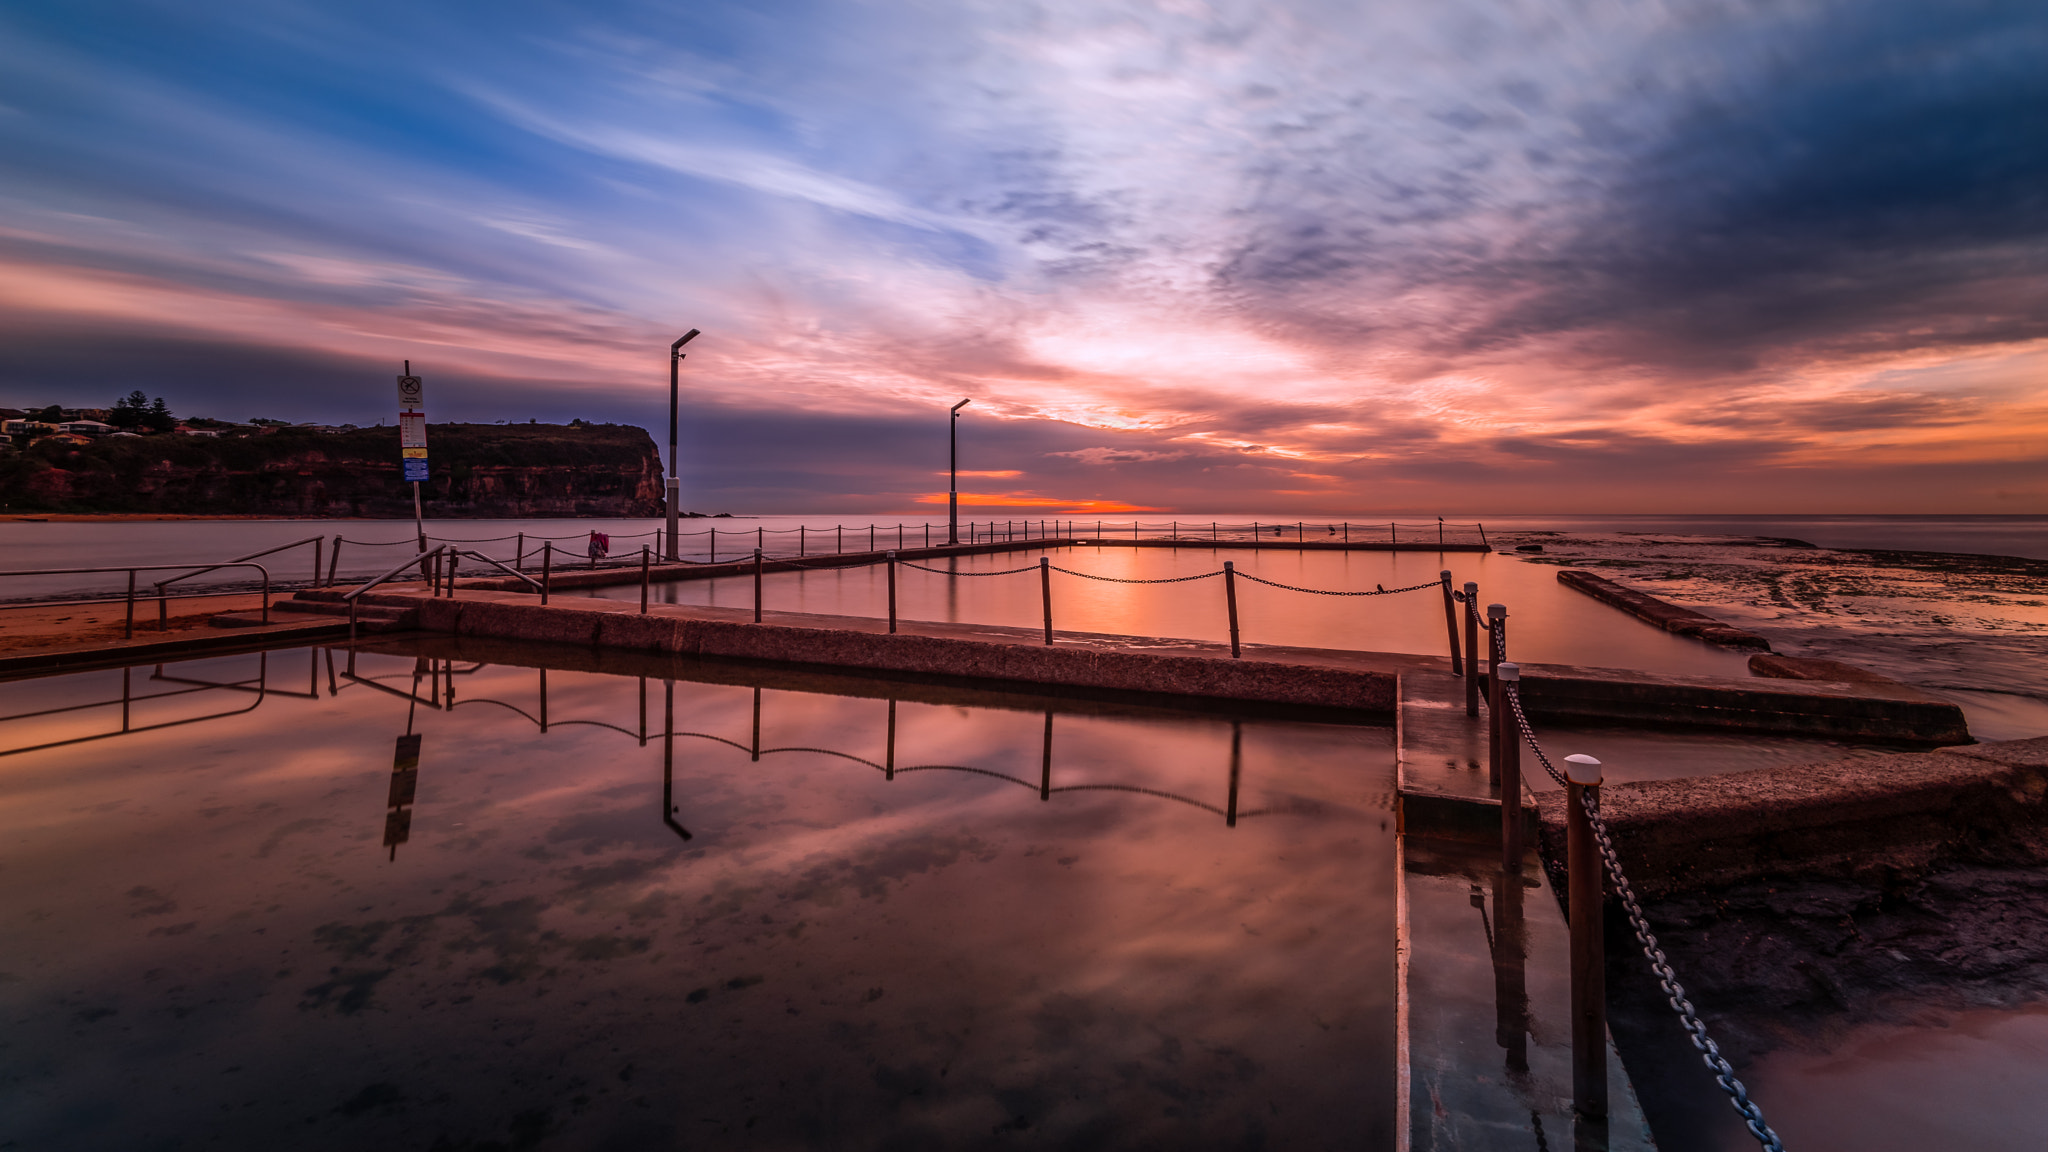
(953, 470)
(673, 494)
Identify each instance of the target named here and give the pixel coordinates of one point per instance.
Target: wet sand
(36, 626)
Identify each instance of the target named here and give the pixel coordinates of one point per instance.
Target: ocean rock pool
(423, 898)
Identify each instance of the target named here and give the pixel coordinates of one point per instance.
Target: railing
(259, 686)
(163, 611)
(1045, 567)
(805, 540)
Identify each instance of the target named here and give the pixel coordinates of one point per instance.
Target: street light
(953, 470)
(673, 494)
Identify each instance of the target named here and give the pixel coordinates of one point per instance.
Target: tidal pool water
(447, 896)
(1548, 622)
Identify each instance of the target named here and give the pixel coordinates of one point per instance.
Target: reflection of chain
(1129, 580)
(945, 572)
(1674, 992)
(1325, 592)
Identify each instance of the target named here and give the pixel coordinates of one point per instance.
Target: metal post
(1482, 538)
(1451, 622)
(1589, 972)
(543, 699)
(838, 539)
(1509, 757)
(892, 593)
(760, 538)
(644, 558)
(1230, 599)
(799, 541)
(871, 537)
(317, 542)
(1045, 592)
(334, 558)
(755, 748)
(419, 523)
(1393, 537)
(519, 551)
(673, 492)
(1496, 732)
(714, 544)
(130, 633)
(889, 756)
(547, 565)
(1472, 648)
(1439, 531)
(953, 473)
(757, 585)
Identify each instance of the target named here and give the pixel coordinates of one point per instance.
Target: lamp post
(672, 495)
(953, 471)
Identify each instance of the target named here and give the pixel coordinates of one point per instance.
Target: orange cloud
(1033, 500)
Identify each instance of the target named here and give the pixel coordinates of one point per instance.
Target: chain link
(945, 572)
(1667, 978)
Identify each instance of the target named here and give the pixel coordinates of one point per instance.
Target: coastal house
(187, 430)
(27, 428)
(85, 428)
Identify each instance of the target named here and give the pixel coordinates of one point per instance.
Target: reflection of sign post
(405, 779)
(412, 442)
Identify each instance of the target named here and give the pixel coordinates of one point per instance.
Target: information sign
(412, 392)
(416, 469)
(412, 429)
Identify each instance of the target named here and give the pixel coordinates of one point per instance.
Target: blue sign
(415, 469)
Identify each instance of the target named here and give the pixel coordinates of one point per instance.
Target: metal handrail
(163, 621)
(315, 541)
(498, 564)
(350, 597)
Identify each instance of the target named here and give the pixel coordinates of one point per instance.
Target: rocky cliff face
(477, 470)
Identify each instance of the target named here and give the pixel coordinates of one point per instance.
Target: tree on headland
(158, 418)
(129, 411)
(51, 415)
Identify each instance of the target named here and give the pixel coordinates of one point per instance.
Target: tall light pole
(953, 471)
(674, 492)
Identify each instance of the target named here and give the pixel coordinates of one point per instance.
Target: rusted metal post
(1230, 599)
(892, 596)
(1045, 592)
(1589, 970)
(1497, 635)
(547, 570)
(645, 558)
(1451, 622)
(1472, 648)
(757, 585)
(1508, 757)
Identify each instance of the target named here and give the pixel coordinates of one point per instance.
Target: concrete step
(369, 617)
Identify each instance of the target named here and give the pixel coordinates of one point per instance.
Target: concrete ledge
(1861, 711)
(1006, 655)
(1812, 668)
(195, 642)
(1670, 617)
(1870, 816)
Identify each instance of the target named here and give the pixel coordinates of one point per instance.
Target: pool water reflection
(452, 897)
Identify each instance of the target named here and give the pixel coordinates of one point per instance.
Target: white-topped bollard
(1584, 873)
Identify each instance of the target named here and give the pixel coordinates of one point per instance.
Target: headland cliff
(475, 470)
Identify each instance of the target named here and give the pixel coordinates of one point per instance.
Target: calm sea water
(687, 906)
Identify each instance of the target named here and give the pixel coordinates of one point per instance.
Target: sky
(1427, 256)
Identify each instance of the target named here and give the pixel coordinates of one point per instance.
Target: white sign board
(412, 392)
(412, 429)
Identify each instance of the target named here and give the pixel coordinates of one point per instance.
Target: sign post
(412, 441)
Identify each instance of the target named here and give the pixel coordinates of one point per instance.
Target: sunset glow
(1226, 256)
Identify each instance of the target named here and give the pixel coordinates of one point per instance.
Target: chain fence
(1667, 978)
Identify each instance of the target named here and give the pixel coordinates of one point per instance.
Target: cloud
(1102, 455)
